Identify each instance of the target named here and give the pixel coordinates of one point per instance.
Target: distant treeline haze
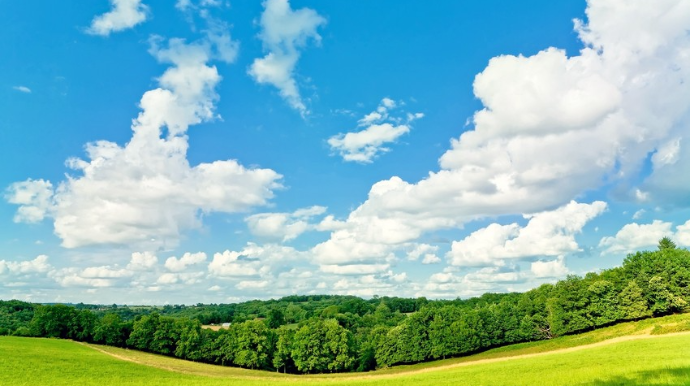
(315, 334)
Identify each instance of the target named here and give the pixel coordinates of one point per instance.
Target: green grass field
(625, 360)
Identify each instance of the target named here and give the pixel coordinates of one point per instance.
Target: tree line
(343, 333)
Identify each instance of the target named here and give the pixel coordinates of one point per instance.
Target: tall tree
(632, 302)
(109, 330)
(282, 357)
(254, 345)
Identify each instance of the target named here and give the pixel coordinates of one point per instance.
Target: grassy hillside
(634, 358)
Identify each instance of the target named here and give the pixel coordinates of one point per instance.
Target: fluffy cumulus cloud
(188, 259)
(95, 277)
(283, 226)
(284, 33)
(553, 127)
(124, 15)
(38, 265)
(387, 283)
(186, 279)
(449, 284)
(380, 129)
(550, 233)
(632, 237)
(34, 198)
(146, 192)
(355, 269)
(550, 268)
(426, 251)
(253, 260)
(682, 236)
(142, 261)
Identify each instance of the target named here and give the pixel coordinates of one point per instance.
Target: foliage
(329, 333)
(635, 363)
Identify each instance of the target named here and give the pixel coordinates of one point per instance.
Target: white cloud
(105, 272)
(682, 235)
(184, 5)
(638, 214)
(167, 278)
(363, 146)
(387, 103)
(96, 277)
(23, 89)
(251, 285)
(552, 268)
(354, 269)
(441, 277)
(142, 261)
(495, 275)
(187, 279)
(188, 259)
(227, 264)
(635, 236)
(667, 154)
(329, 223)
(283, 226)
(146, 193)
(252, 260)
(431, 258)
(34, 198)
(549, 233)
(124, 15)
(427, 251)
(369, 285)
(284, 33)
(37, 265)
(71, 278)
(552, 128)
(421, 250)
(493, 279)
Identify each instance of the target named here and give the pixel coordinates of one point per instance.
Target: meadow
(649, 352)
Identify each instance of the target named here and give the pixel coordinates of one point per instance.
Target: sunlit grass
(662, 360)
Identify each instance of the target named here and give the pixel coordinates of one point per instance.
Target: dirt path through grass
(383, 375)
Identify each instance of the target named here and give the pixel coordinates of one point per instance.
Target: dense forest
(315, 334)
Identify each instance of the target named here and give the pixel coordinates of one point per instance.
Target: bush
(22, 331)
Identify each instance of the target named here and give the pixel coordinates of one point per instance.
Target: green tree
(224, 347)
(82, 325)
(568, 306)
(322, 345)
(166, 336)
(53, 321)
(109, 330)
(603, 307)
(666, 243)
(441, 334)
(294, 313)
(143, 332)
(663, 300)
(330, 312)
(191, 340)
(632, 302)
(275, 318)
(254, 345)
(282, 357)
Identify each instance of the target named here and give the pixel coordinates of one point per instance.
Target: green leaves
(322, 345)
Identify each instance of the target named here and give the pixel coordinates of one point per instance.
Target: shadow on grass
(679, 376)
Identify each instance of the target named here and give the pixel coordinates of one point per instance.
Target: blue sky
(213, 151)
